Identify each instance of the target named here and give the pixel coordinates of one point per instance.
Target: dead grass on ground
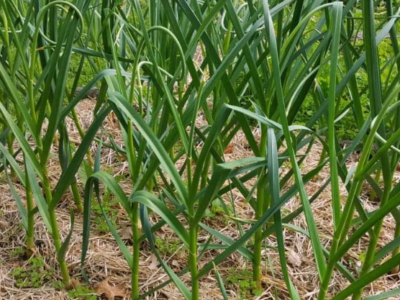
(105, 261)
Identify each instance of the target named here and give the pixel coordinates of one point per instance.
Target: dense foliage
(300, 71)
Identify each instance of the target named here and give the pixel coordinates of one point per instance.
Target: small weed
(109, 210)
(217, 209)
(58, 285)
(167, 246)
(17, 252)
(82, 293)
(34, 274)
(243, 279)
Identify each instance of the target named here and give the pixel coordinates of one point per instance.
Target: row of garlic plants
(261, 61)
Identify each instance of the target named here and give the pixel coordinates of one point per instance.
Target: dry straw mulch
(109, 272)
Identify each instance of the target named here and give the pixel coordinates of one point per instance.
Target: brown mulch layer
(109, 272)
